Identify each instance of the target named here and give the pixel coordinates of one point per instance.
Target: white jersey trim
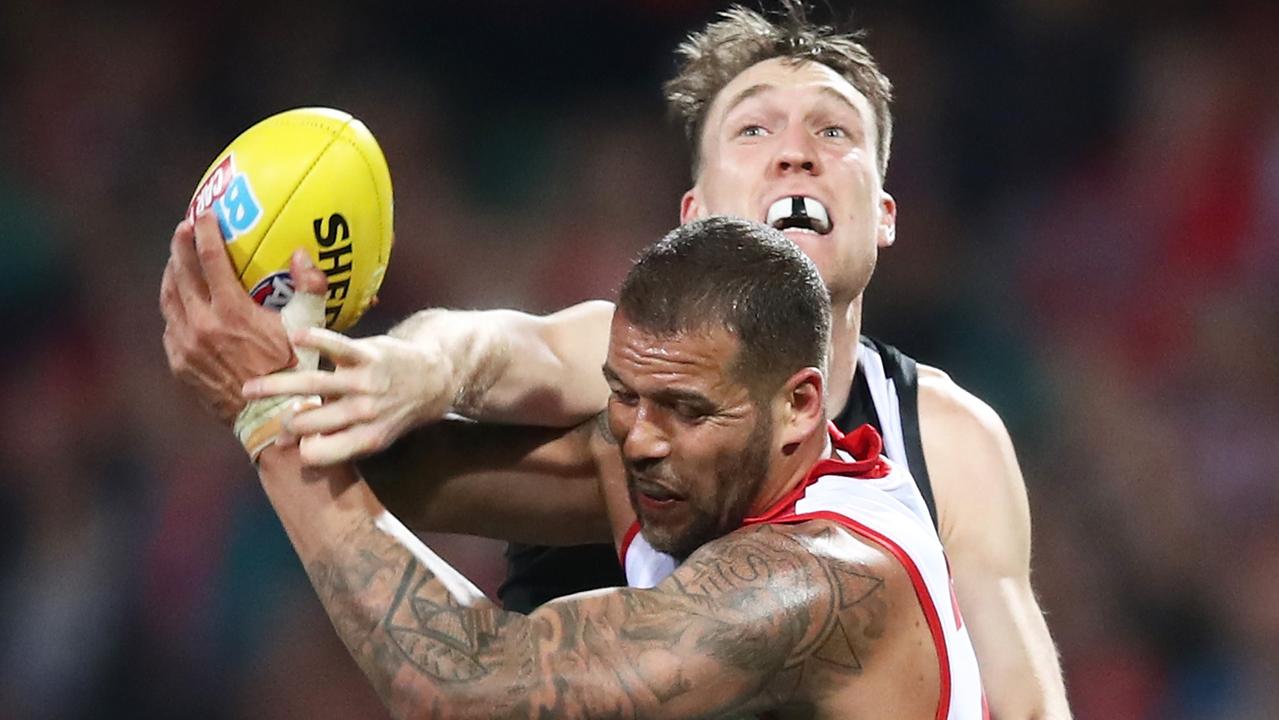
(883, 393)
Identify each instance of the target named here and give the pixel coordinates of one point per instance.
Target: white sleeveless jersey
(876, 499)
(883, 392)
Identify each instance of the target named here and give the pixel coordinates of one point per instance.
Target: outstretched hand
(381, 387)
(215, 336)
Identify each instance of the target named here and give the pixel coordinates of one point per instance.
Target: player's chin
(821, 249)
(664, 525)
(681, 539)
(678, 546)
(846, 274)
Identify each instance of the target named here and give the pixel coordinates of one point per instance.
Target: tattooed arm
(762, 618)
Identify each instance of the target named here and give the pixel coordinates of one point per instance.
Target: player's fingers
(335, 346)
(330, 417)
(211, 252)
(170, 301)
(285, 437)
(322, 450)
(187, 276)
(306, 276)
(301, 383)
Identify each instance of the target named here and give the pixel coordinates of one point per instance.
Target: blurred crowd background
(1088, 239)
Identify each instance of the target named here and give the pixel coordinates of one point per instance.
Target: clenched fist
(215, 336)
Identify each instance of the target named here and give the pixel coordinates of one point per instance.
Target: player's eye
(752, 131)
(690, 412)
(834, 131)
(624, 397)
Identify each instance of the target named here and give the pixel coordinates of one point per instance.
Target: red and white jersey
(875, 499)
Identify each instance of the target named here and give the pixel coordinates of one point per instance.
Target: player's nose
(646, 441)
(796, 152)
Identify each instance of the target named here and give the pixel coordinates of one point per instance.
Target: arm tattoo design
(439, 636)
(737, 629)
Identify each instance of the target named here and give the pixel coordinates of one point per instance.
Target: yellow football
(310, 178)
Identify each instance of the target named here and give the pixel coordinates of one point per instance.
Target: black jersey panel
(536, 575)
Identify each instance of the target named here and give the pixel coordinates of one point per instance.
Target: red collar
(867, 450)
(864, 445)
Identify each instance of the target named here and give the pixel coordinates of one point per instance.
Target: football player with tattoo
(790, 125)
(776, 564)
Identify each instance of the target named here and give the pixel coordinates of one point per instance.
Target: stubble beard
(737, 484)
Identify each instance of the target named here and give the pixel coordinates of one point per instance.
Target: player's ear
(690, 207)
(886, 233)
(802, 408)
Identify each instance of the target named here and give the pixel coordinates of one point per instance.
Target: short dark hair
(740, 38)
(743, 276)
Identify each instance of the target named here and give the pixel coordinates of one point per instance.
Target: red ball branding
(274, 291)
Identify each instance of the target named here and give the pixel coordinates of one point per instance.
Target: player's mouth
(799, 213)
(656, 497)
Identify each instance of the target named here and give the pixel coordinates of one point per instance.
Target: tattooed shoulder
(763, 618)
(821, 597)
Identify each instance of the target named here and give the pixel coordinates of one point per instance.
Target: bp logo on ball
(231, 196)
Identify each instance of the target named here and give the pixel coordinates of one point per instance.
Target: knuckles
(377, 383)
(177, 357)
(176, 243)
(366, 409)
(210, 253)
(379, 440)
(369, 385)
(206, 331)
(374, 439)
(178, 347)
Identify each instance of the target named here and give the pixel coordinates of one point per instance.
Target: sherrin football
(312, 178)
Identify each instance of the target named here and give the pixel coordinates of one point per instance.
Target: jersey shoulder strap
(885, 394)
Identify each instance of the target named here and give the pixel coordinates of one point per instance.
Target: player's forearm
(475, 344)
(514, 483)
(426, 638)
(1056, 706)
(513, 367)
(433, 647)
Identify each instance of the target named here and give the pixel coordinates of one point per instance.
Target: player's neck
(845, 329)
(792, 470)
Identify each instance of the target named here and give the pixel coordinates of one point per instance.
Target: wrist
(453, 346)
(314, 504)
(261, 422)
(478, 359)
